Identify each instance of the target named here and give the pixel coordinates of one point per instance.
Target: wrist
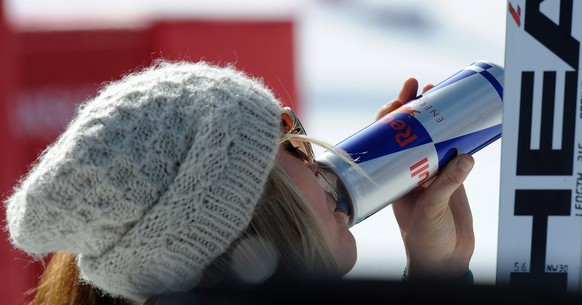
(465, 279)
(428, 268)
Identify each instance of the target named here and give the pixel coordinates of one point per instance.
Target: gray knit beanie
(153, 179)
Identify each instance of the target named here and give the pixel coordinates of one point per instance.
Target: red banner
(261, 48)
(46, 74)
(17, 272)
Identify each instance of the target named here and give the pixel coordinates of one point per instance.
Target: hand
(435, 218)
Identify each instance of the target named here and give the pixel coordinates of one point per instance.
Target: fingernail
(465, 164)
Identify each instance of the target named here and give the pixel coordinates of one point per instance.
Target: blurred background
(335, 61)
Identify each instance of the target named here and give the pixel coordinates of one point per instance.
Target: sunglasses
(301, 149)
(304, 152)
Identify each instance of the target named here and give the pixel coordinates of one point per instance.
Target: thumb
(450, 179)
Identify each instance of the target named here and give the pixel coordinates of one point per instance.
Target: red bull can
(411, 144)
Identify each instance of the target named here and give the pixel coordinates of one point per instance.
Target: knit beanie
(153, 179)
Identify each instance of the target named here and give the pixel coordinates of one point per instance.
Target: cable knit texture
(153, 178)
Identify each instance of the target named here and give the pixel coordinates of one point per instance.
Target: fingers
(389, 107)
(409, 90)
(427, 87)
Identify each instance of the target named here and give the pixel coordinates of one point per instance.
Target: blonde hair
(284, 234)
(284, 230)
(334, 149)
(60, 285)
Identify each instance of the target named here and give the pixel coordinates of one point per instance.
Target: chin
(348, 258)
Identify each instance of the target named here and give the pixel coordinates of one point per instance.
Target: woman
(187, 175)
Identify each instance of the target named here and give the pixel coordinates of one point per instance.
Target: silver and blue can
(411, 144)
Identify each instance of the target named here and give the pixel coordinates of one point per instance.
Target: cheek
(336, 232)
(302, 177)
(346, 253)
(342, 243)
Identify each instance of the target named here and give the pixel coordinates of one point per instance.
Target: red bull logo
(420, 171)
(404, 134)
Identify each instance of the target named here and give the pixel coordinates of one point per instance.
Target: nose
(314, 168)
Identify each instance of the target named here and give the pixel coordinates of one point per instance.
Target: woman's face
(333, 221)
